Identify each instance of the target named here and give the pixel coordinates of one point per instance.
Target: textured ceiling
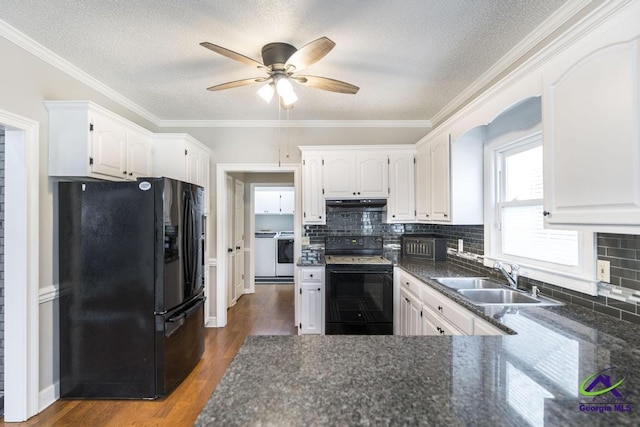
(409, 58)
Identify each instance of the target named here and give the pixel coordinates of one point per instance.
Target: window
(520, 208)
(515, 232)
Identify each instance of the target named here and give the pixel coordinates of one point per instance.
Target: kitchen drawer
(410, 284)
(437, 325)
(311, 274)
(450, 310)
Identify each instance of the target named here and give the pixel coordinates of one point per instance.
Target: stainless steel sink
(469, 283)
(504, 297)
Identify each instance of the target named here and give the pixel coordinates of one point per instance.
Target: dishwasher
(265, 253)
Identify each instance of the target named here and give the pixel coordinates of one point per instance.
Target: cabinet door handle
(546, 213)
(393, 216)
(238, 247)
(440, 307)
(311, 275)
(318, 289)
(124, 173)
(130, 173)
(354, 193)
(445, 215)
(229, 250)
(358, 193)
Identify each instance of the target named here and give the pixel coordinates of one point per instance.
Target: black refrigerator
(131, 267)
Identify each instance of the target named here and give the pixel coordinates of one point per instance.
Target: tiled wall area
(1, 264)
(622, 251)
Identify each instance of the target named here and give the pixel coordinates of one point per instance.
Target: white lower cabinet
(410, 313)
(424, 311)
(311, 300)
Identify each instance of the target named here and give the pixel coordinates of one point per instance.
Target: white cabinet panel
(313, 205)
(449, 178)
(267, 202)
(311, 300)
(401, 202)
(423, 184)
(138, 155)
(108, 146)
(372, 175)
(440, 180)
(592, 135)
(339, 175)
(349, 175)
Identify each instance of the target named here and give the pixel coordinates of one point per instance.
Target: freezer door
(180, 344)
(180, 205)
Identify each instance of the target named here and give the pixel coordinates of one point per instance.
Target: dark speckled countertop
(532, 378)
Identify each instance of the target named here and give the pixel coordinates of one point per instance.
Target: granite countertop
(532, 378)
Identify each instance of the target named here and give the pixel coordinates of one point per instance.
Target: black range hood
(357, 205)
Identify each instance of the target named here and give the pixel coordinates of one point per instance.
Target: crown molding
(296, 123)
(25, 42)
(537, 36)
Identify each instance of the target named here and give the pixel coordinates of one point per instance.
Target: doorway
(251, 175)
(21, 266)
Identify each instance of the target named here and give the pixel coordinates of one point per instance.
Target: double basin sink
(483, 291)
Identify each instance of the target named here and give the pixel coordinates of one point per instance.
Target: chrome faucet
(512, 276)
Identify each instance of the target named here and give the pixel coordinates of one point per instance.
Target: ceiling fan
(282, 62)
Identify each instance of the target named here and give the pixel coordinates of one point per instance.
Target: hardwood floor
(270, 311)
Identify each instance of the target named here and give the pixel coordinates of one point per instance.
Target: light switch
(603, 271)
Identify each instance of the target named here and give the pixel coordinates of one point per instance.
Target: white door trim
(21, 266)
(221, 245)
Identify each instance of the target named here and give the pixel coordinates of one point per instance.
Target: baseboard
(212, 322)
(49, 395)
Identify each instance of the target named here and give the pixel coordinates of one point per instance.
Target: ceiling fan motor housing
(277, 53)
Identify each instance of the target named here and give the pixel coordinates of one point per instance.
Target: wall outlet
(305, 241)
(604, 271)
(460, 245)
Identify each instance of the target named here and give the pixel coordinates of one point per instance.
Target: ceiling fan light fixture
(285, 90)
(266, 92)
(289, 98)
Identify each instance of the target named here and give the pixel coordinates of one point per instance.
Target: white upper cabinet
(440, 181)
(349, 174)
(591, 123)
(401, 204)
(449, 180)
(372, 174)
(339, 175)
(274, 201)
(86, 140)
(138, 155)
(313, 206)
(180, 156)
(423, 184)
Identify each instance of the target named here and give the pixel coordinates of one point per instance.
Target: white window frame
(580, 278)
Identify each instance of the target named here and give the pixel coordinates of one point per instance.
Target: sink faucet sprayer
(512, 277)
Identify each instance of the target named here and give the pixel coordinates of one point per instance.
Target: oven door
(358, 301)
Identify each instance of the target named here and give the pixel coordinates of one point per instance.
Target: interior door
(231, 254)
(238, 239)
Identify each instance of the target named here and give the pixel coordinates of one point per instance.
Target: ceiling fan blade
(231, 54)
(326, 83)
(310, 53)
(237, 83)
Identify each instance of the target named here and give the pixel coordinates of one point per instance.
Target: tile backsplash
(622, 251)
